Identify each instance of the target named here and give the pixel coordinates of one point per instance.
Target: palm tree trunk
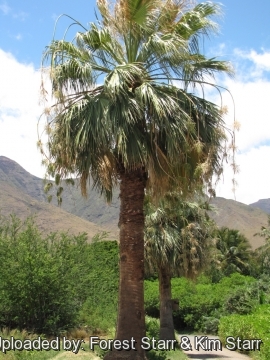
(131, 318)
(166, 331)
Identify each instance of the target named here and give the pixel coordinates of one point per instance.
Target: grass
(166, 355)
(61, 354)
(43, 354)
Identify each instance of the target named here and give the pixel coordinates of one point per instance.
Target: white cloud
(253, 178)
(260, 61)
(250, 90)
(4, 8)
(251, 101)
(19, 112)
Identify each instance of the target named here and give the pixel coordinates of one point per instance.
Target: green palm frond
(198, 21)
(116, 103)
(176, 235)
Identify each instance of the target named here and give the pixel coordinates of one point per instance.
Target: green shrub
(101, 277)
(201, 303)
(24, 354)
(209, 324)
(152, 327)
(53, 283)
(41, 284)
(242, 301)
(151, 298)
(252, 326)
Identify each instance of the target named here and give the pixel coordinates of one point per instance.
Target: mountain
(263, 204)
(22, 193)
(93, 208)
(236, 215)
(22, 187)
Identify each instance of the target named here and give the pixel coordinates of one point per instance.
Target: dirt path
(195, 354)
(80, 356)
(202, 354)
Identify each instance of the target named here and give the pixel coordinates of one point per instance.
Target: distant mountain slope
(263, 204)
(230, 213)
(247, 219)
(15, 175)
(14, 199)
(93, 209)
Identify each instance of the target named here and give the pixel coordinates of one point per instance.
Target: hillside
(16, 183)
(263, 204)
(245, 218)
(93, 208)
(19, 184)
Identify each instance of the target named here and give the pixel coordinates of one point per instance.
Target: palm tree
(234, 251)
(262, 254)
(176, 242)
(119, 118)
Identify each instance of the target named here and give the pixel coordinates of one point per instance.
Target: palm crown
(176, 236)
(138, 117)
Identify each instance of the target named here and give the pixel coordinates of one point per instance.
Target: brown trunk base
(124, 355)
(166, 331)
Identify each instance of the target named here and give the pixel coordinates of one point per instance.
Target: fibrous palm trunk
(131, 319)
(166, 331)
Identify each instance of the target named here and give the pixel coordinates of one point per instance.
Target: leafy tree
(176, 235)
(119, 117)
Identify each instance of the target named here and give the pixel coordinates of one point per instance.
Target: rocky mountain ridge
(22, 193)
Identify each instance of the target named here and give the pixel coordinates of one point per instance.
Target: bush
(24, 354)
(151, 298)
(54, 283)
(210, 324)
(40, 287)
(252, 326)
(201, 304)
(101, 279)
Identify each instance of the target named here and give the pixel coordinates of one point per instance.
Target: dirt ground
(223, 354)
(80, 356)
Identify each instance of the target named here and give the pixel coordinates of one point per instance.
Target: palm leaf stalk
(118, 117)
(177, 235)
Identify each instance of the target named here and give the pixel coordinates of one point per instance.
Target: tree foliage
(137, 117)
(230, 252)
(262, 254)
(177, 235)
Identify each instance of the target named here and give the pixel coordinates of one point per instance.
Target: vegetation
(46, 281)
(176, 242)
(98, 312)
(263, 252)
(24, 354)
(40, 277)
(230, 253)
(202, 303)
(137, 128)
(38, 285)
(253, 326)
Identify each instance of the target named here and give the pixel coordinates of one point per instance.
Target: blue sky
(26, 27)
